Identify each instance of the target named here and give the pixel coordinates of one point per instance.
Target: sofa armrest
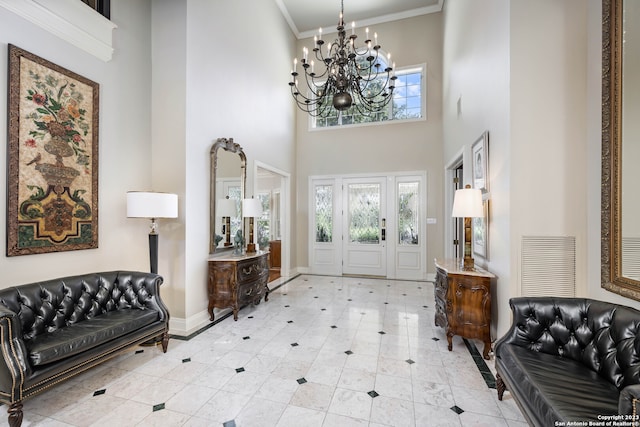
(14, 361)
(629, 401)
(142, 290)
(516, 333)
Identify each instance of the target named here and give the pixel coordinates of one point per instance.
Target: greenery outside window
(408, 103)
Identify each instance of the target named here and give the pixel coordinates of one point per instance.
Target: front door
(364, 226)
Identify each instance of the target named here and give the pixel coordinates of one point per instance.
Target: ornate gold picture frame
(52, 157)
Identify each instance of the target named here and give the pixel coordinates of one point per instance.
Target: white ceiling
(306, 16)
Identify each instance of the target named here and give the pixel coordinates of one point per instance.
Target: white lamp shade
(251, 208)
(226, 207)
(467, 203)
(143, 204)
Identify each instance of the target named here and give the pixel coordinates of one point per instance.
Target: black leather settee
(52, 330)
(571, 360)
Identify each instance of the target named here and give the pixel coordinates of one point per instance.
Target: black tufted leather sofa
(52, 330)
(571, 359)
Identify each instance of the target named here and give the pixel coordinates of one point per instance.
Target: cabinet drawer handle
(251, 269)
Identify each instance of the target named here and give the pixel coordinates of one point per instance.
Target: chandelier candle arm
(352, 75)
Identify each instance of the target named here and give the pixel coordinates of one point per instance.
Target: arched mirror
(228, 180)
(620, 147)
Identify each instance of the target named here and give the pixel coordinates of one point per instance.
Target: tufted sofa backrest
(603, 336)
(46, 306)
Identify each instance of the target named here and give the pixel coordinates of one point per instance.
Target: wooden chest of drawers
(463, 302)
(235, 281)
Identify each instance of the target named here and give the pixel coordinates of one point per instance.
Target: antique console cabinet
(463, 302)
(235, 281)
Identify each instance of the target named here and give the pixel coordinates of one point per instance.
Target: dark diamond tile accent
(289, 321)
(333, 326)
(435, 339)
(382, 332)
(238, 370)
(99, 392)
(410, 362)
(301, 380)
(404, 295)
(339, 289)
(284, 295)
(373, 393)
(158, 407)
(386, 303)
(323, 309)
(349, 352)
(419, 287)
(388, 286)
(139, 351)
(231, 423)
(349, 299)
(315, 297)
(363, 313)
(187, 360)
(310, 287)
(295, 344)
(287, 306)
(457, 409)
(249, 317)
(424, 306)
(246, 338)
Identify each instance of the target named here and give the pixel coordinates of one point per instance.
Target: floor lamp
(467, 204)
(251, 208)
(143, 204)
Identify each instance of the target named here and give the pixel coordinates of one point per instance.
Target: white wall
(232, 69)
(124, 144)
(476, 73)
(413, 146)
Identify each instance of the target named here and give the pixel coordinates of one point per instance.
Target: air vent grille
(548, 266)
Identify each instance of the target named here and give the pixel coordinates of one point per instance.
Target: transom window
(408, 103)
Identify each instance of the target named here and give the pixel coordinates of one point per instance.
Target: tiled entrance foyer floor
(323, 351)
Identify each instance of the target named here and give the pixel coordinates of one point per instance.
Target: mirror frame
(226, 144)
(611, 219)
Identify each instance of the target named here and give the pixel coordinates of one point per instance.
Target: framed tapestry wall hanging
(52, 157)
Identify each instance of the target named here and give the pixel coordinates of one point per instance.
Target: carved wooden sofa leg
(500, 386)
(15, 414)
(165, 341)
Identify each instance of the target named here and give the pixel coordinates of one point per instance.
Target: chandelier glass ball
(343, 75)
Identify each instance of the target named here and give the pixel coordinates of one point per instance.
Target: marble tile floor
(323, 351)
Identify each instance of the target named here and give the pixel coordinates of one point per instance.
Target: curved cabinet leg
(449, 340)
(15, 414)
(486, 350)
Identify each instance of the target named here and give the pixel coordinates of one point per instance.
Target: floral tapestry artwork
(53, 157)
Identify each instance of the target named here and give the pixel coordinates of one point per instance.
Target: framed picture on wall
(480, 163)
(480, 233)
(480, 171)
(52, 196)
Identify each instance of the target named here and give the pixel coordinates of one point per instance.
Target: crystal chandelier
(344, 76)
